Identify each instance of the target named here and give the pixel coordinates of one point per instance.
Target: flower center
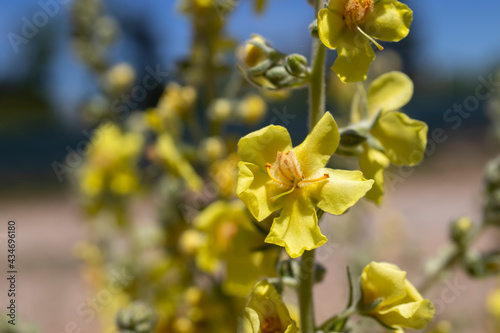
(356, 10)
(270, 325)
(286, 172)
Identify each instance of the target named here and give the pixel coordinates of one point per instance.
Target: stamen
(280, 156)
(325, 176)
(268, 168)
(380, 47)
(294, 168)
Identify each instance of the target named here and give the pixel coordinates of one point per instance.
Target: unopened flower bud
(120, 77)
(190, 241)
(183, 325)
(297, 64)
(461, 229)
(138, 318)
(212, 148)
(492, 175)
(220, 110)
(278, 76)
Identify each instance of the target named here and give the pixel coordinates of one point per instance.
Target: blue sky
(452, 36)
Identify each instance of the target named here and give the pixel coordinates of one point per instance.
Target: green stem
(316, 111)
(306, 280)
(317, 79)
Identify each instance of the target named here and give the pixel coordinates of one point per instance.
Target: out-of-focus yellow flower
(350, 25)
(176, 163)
(393, 136)
(273, 175)
(266, 312)
(442, 327)
(225, 175)
(111, 162)
(276, 95)
(252, 109)
(178, 100)
(401, 305)
(494, 303)
(204, 3)
(231, 240)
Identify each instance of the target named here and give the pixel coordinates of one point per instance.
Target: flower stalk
(316, 111)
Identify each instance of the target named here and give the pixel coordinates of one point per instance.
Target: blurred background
(452, 54)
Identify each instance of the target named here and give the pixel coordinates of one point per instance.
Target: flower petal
(341, 191)
(372, 163)
(403, 139)
(255, 190)
(260, 147)
(389, 92)
(317, 148)
(331, 24)
(383, 280)
(390, 21)
(297, 226)
(250, 322)
(354, 57)
(416, 315)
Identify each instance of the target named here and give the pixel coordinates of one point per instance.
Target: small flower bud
(313, 29)
(220, 110)
(492, 175)
(461, 229)
(183, 325)
(120, 77)
(492, 208)
(252, 109)
(137, 318)
(481, 265)
(193, 295)
(190, 241)
(278, 76)
(211, 149)
(296, 64)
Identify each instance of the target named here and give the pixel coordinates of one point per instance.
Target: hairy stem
(316, 111)
(317, 79)
(306, 280)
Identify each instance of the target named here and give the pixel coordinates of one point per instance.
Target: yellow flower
(273, 175)
(111, 162)
(401, 305)
(350, 25)
(233, 241)
(393, 136)
(266, 313)
(178, 100)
